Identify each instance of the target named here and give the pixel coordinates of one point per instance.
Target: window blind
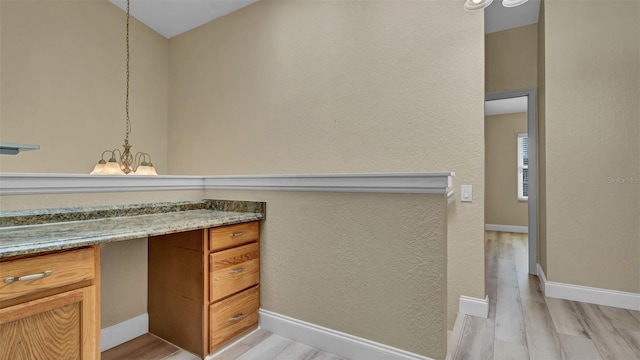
(523, 166)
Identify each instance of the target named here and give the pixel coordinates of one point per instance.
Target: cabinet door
(61, 326)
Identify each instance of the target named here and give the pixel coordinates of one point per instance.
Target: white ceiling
(173, 17)
(505, 106)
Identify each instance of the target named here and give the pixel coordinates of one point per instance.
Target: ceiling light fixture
(472, 5)
(513, 3)
(140, 164)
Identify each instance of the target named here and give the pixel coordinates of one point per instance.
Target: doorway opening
(524, 174)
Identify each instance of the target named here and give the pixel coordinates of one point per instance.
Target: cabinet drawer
(61, 269)
(233, 270)
(225, 237)
(233, 316)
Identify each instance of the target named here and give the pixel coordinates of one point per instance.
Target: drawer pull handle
(237, 234)
(236, 271)
(28, 277)
(236, 318)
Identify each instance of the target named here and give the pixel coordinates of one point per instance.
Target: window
(523, 167)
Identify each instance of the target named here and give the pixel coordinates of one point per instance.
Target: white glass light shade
(99, 169)
(513, 3)
(472, 5)
(113, 168)
(146, 170)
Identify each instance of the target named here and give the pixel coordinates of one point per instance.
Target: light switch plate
(466, 193)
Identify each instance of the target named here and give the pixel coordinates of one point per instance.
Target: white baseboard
(590, 295)
(542, 279)
(336, 342)
(120, 333)
(507, 228)
(474, 306)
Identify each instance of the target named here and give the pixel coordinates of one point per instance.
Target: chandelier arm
(114, 152)
(139, 156)
(104, 152)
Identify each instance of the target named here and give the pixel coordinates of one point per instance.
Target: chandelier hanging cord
(127, 159)
(126, 105)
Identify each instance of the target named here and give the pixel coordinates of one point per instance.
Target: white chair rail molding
(407, 183)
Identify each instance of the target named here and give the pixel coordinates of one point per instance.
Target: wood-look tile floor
(147, 347)
(260, 345)
(263, 345)
(524, 324)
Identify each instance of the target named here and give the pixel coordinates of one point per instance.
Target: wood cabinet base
(201, 299)
(63, 325)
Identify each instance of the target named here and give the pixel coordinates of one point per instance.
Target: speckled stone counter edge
(238, 206)
(46, 216)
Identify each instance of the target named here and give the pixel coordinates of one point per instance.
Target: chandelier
(126, 163)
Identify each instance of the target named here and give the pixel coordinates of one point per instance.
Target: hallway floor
(523, 324)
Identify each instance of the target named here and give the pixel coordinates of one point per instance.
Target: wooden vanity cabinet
(49, 305)
(204, 286)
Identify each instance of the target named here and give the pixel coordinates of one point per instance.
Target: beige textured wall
(592, 62)
(62, 85)
(123, 287)
(369, 265)
(123, 264)
(501, 164)
(336, 87)
(542, 152)
(511, 59)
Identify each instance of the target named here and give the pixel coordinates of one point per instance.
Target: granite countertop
(115, 224)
